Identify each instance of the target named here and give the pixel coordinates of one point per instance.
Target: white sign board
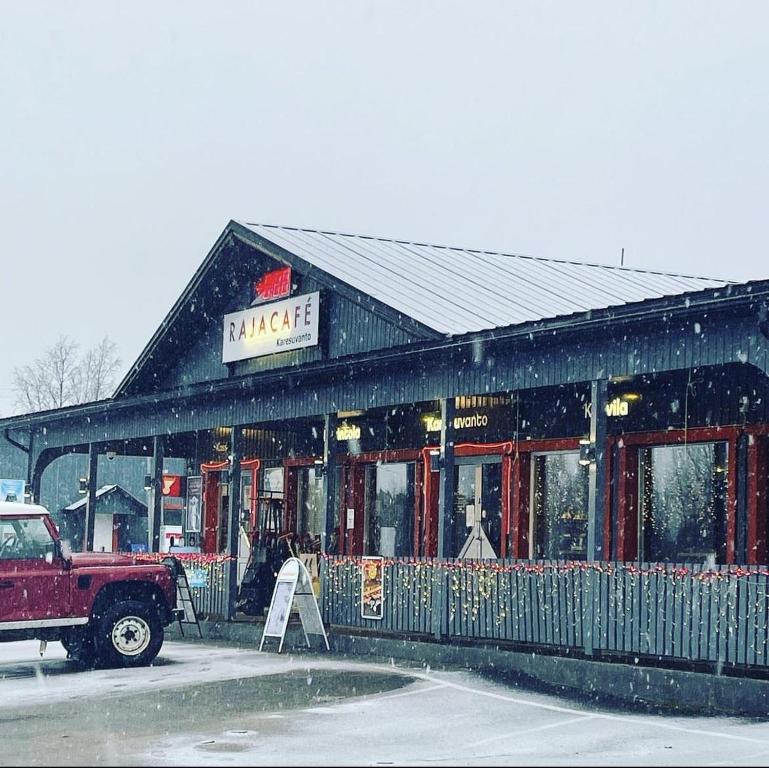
(170, 535)
(270, 328)
(293, 588)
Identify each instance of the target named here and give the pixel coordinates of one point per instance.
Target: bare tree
(61, 376)
(99, 367)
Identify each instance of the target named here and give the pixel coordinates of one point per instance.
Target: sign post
(293, 587)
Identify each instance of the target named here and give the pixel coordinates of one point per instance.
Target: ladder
(184, 600)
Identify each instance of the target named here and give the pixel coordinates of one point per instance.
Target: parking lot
(205, 704)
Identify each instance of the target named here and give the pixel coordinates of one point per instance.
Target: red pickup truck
(108, 609)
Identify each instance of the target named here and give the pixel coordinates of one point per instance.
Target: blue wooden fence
(679, 611)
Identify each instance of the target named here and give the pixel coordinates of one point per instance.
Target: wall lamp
(319, 468)
(83, 485)
(586, 452)
(149, 482)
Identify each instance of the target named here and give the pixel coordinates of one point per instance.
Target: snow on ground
(438, 717)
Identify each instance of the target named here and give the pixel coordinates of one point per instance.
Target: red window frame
(627, 490)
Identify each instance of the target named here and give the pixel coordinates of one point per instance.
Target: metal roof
(104, 490)
(458, 290)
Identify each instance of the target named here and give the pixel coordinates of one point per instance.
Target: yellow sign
(347, 431)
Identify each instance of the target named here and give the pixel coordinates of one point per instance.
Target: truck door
(34, 584)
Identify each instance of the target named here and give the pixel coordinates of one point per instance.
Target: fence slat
(672, 611)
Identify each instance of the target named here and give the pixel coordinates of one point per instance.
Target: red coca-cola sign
(273, 285)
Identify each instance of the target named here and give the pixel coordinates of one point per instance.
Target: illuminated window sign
(618, 406)
(273, 285)
(346, 432)
(270, 328)
(461, 421)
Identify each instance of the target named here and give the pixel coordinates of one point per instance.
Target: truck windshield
(24, 539)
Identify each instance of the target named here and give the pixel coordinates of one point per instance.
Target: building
(379, 397)
(120, 521)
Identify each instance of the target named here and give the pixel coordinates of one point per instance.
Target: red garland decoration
(195, 558)
(557, 568)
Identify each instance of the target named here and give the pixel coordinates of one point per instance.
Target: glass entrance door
(477, 510)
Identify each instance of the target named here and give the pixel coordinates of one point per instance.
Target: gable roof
(458, 290)
(106, 490)
(438, 290)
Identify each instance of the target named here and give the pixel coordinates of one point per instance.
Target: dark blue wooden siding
(478, 369)
(13, 462)
(191, 351)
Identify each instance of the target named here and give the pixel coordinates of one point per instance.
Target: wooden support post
(329, 481)
(90, 506)
(597, 471)
(233, 538)
(30, 473)
(158, 455)
(741, 544)
(36, 483)
(446, 515)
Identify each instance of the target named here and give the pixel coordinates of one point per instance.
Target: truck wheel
(129, 634)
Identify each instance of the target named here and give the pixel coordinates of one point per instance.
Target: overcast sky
(132, 132)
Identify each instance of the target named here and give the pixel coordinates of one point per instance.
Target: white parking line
(527, 731)
(417, 692)
(657, 723)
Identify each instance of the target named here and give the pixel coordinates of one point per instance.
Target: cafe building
(462, 414)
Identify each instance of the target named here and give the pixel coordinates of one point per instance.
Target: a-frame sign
(293, 588)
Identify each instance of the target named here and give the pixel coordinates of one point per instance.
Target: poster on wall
(197, 577)
(372, 588)
(12, 490)
(194, 504)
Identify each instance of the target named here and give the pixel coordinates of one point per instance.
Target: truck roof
(17, 508)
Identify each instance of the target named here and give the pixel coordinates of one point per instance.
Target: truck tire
(79, 648)
(128, 634)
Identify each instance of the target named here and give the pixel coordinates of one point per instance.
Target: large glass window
(389, 496)
(683, 502)
(560, 507)
(311, 503)
(270, 500)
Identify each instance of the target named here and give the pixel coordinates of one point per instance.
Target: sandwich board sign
(293, 588)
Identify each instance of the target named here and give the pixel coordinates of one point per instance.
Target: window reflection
(560, 507)
(311, 503)
(683, 498)
(389, 495)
